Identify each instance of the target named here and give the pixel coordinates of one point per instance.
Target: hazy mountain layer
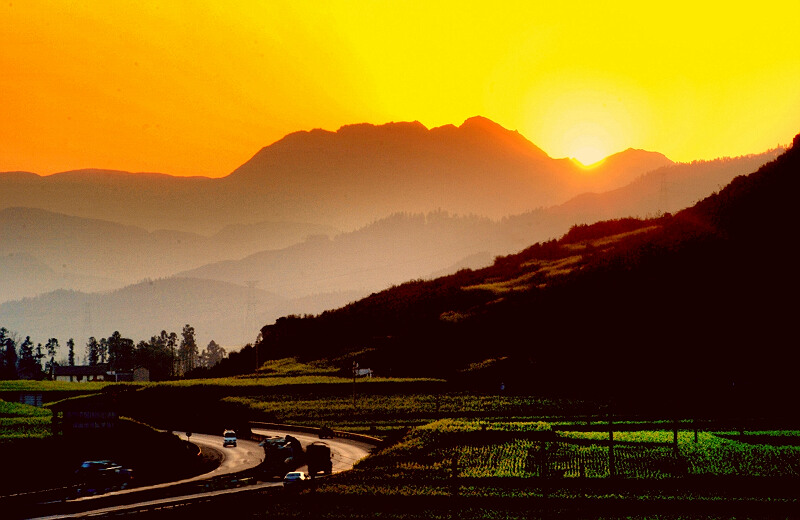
(409, 246)
(43, 251)
(344, 179)
(229, 314)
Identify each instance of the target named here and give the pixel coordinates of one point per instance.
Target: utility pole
(87, 322)
(355, 369)
(250, 309)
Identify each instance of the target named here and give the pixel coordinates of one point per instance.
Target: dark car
(101, 476)
(326, 432)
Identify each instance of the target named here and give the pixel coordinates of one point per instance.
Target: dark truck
(285, 454)
(281, 455)
(318, 459)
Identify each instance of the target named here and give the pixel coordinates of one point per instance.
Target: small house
(81, 373)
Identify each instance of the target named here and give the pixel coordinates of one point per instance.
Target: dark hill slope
(696, 306)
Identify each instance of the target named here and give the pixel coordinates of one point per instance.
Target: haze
(193, 88)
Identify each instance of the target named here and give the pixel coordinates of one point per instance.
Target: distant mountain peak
(391, 127)
(472, 125)
(632, 154)
(483, 123)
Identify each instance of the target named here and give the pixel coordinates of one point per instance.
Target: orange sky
(196, 87)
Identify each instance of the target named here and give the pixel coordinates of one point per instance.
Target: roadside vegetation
(42, 460)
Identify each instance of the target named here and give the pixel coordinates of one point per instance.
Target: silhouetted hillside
(693, 308)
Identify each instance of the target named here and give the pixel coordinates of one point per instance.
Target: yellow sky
(196, 87)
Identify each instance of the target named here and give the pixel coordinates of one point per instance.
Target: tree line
(166, 355)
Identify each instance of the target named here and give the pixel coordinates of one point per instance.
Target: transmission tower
(250, 311)
(663, 197)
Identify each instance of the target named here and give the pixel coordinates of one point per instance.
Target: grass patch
(21, 410)
(291, 367)
(51, 386)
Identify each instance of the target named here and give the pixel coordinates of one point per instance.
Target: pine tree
(28, 366)
(92, 351)
(71, 346)
(187, 351)
(8, 354)
(52, 348)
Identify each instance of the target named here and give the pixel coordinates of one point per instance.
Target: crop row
(438, 449)
(403, 409)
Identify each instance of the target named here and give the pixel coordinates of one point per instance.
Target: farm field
(379, 413)
(524, 450)
(497, 456)
(483, 469)
(21, 421)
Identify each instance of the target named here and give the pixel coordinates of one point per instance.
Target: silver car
(229, 438)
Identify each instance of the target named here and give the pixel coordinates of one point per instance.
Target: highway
(245, 456)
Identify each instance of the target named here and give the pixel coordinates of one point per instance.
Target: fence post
(544, 469)
(454, 477)
(611, 462)
(675, 436)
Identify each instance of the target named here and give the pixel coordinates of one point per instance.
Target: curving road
(246, 455)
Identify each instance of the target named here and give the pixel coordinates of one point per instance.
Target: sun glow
(588, 143)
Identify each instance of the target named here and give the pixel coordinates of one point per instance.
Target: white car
(229, 438)
(295, 479)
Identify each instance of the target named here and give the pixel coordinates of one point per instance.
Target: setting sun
(588, 144)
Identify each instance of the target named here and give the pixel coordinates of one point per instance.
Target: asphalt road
(246, 455)
(344, 452)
